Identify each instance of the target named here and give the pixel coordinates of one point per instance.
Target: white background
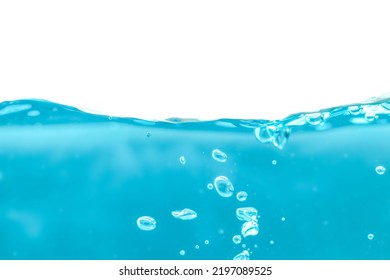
(202, 59)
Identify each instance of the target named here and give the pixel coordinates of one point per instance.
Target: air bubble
(276, 134)
(272, 242)
(182, 252)
(182, 160)
(197, 247)
(148, 134)
(237, 239)
(250, 228)
(355, 109)
(386, 105)
(370, 116)
(380, 170)
(210, 186)
(370, 236)
(219, 156)
(223, 186)
(274, 162)
(206, 242)
(146, 223)
(243, 256)
(185, 214)
(246, 214)
(283, 219)
(242, 196)
(314, 118)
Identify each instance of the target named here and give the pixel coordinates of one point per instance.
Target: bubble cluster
(146, 223)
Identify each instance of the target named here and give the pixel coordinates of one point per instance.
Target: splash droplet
(182, 160)
(250, 228)
(370, 236)
(243, 256)
(146, 223)
(242, 196)
(380, 170)
(219, 156)
(237, 239)
(314, 118)
(246, 214)
(185, 214)
(223, 186)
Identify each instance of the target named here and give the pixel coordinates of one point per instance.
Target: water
(75, 185)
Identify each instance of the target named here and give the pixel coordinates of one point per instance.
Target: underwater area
(75, 185)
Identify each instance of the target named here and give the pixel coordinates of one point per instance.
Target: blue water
(73, 185)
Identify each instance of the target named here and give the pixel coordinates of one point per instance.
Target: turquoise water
(75, 185)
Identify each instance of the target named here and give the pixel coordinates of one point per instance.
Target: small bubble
(272, 242)
(242, 196)
(370, 236)
(110, 118)
(223, 186)
(206, 242)
(255, 245)
(237, 239)
(274, 162)
(243, 246)
(146, 223)
(355, 110)
(219, 156)
(380, 170)
(370, 116)
(148, 134)
(210, 186)
(182, 252)
(283, 219)
(182, 160)
(314, 118)
(197, 247)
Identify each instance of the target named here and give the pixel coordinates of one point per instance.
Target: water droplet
(283, 219)
(370, 236)
(274, 162)
(272, 242)
(210, 186)
(146, 223)
(206, 242)
(380, 170)
(219, 156)
(185, 214)
(243, 256)
(246, 214)
(355, 109)
(182, 252)
(197, 247)
(148, 134)
(370, 116)
(223, 186)
(314, 118)
(237, 239)
(242, 196)
(182, 160)
(250, 228)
